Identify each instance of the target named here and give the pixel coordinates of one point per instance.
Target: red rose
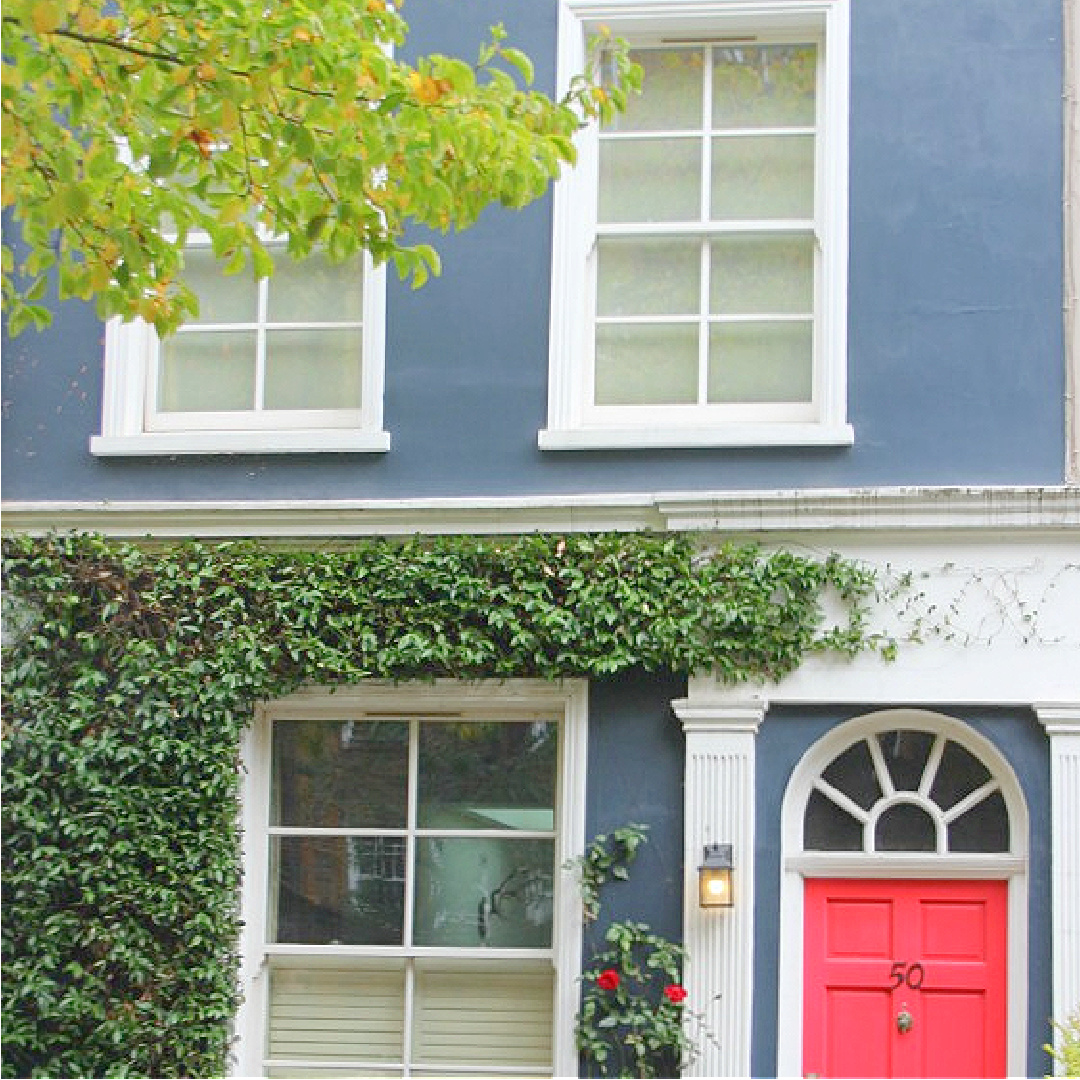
(675, 994)
(608, 979)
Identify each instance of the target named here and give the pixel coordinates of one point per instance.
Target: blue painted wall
(786, 735)
(956, 372)
(635, 776)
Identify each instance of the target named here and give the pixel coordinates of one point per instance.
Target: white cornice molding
(859, 510)
(878, 509)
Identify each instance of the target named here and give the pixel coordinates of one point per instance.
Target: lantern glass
(714, 877)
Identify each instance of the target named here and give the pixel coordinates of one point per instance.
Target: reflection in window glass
(985, 827)
(959, 774)
(828, 827)
(764, 86)
(339, 890)
(853, 774)
(673, 100)
(905, 827)
(906, 754)
(487, 775)
(334, 773)
(485, 892)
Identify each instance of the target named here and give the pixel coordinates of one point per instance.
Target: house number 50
(903, 972)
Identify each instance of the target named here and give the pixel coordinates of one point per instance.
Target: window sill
(720, 435)
(300, 441)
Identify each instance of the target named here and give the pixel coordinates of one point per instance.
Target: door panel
(905, 978)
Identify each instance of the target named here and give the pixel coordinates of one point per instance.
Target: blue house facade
(807, 291)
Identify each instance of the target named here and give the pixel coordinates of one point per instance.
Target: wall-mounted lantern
(714, 877)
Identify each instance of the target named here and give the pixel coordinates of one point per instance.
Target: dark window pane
(905, 827)
(829, 828)
(488, 775)
(487, 891)
(905, 754)
(853, 774)
(339, 890)
(344, 774)
(984, 827)
(958, 775)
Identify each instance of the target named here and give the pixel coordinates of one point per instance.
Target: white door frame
(797, 865)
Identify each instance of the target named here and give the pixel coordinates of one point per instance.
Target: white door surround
(798, 864)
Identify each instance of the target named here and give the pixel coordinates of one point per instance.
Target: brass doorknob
(904, 1021)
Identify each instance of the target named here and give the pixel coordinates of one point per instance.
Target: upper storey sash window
(700, 250)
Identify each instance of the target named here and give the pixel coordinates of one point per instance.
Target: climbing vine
(636, 1018)
(131, 671)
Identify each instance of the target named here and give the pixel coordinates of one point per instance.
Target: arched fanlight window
(906, 790)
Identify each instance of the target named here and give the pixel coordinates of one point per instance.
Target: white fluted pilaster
(1062, 723)
(719, 808)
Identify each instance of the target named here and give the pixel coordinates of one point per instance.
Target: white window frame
(576, 424)
(132, 425)
(567, 699)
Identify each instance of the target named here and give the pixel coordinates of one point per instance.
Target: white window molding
(131, 424)
(499, 701)
(574, 421)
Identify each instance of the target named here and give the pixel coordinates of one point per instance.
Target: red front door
(904, 978)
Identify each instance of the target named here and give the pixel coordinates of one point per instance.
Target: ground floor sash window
(410, 867)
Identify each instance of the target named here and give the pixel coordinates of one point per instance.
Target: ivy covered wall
(130, 673)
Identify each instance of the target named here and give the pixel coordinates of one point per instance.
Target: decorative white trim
(570, 697)
(573, 422)
(718, 808)
(766, 433)
(277, 441)
(1024, 510)
(903, 865)
(1013, 867)
(1062, 723)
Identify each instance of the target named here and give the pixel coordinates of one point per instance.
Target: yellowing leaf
(45, 16)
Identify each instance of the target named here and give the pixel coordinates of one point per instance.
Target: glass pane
(487, 891)
(340, 774)
(648, 277)
(763, 177)
(650, 180)
(906, 754)
(827, 827)
(488, 775)
(315, 290)
(760, 276)
(959, 774)
(348, 1013)
(905, 827)
(985, 827)
(646, 365)
(853, 774)
(208, 372)
(670, 98)
(222, 297)
(764, 86)
(339, 890)
(313, 369)
(759, 361)
(481, 1018)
